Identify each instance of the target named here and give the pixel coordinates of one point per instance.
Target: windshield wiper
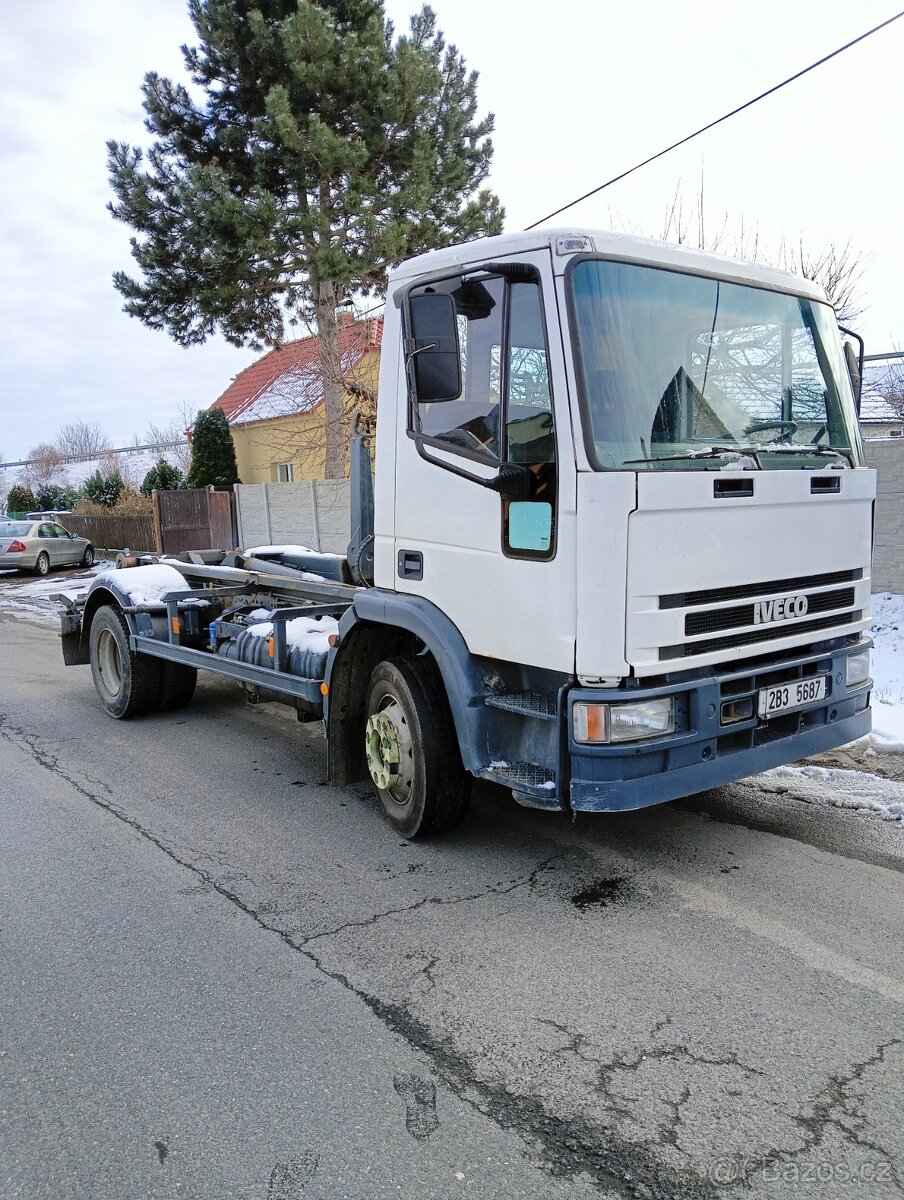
(808, 449)
(709, 452)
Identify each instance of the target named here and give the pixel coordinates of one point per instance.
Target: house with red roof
(275, 407)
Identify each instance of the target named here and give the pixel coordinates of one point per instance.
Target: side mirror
(433, 347)
(854, 362)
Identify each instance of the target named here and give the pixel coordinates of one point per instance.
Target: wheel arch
(381, 625)
(100, 594)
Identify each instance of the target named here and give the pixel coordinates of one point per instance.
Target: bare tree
(172, 436)
(836, 267)
(890, 385)
(82, 440)
(45, 465)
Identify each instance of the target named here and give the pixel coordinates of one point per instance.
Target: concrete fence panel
(886, 455)
(314, 513)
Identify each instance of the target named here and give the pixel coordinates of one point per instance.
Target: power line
(719, 120)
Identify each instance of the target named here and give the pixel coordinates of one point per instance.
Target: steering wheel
(820, 433)
(464, 438)
(788, 428)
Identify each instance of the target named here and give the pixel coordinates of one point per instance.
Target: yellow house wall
(299, 438)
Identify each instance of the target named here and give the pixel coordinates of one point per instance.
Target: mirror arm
(511, 481)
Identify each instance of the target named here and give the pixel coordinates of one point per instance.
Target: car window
(59, 531)
(45, 531)
(17, 529)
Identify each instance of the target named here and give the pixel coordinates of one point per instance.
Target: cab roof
(623, 247)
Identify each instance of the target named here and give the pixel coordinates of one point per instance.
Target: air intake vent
(747, 591)
(713, 619)
(768, 633)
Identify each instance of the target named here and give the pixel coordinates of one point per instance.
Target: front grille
(753, 636)
(749, 591)
(712, 620)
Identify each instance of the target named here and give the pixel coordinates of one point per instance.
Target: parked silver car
(40, 546)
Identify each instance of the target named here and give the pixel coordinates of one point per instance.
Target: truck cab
(630, 475)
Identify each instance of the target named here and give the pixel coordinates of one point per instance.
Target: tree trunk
(331, 371)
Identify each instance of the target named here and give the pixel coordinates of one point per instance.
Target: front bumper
(703, 753)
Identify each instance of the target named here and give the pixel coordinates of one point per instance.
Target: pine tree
(21, 499)
(325, 150)
(162, 477)
(212, 452)
(104, 489)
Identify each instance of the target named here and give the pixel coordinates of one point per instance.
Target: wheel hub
(382, 750)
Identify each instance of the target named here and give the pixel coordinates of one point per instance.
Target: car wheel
(127, 682)
(42, 564)
(411, 750)
(88, 557)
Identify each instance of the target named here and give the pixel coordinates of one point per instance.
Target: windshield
(683, 372)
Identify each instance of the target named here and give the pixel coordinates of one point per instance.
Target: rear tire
(177, 685)
(411, 749)
(88, 557)
(128, 683)
(42, 564)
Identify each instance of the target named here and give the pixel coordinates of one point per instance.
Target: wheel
(177, 686)
(127, 683)
(42, 564)
(88, 557)
(411, 750)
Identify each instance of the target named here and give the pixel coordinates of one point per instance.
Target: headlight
(856, 669)
(623, 722)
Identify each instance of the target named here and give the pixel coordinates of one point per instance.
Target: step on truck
(614, 548)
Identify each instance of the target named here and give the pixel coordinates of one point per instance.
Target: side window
(470, 424)
(45, 531)
(504, 411)
(529, 431)
(59, 531)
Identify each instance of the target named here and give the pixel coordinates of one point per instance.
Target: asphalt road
(222, 978)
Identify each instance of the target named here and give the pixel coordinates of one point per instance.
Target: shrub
(104, 489)
(163, 477)
(55, 496)
(212, 451)
(21, 499)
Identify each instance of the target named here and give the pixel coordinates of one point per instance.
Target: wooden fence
(113, 532)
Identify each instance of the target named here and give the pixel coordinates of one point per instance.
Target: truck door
(502, 570)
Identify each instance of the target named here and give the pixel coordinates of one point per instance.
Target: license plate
(774, 701)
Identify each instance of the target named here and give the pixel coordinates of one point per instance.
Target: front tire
(411, 749)
(42, 564)
(128, 683)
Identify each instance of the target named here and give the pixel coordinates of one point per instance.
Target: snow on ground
(258, 550)
(887, 669)
(835, 788)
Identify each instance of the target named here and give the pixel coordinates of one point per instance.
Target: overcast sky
(580, 93)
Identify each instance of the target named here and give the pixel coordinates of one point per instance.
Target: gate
(194, 519)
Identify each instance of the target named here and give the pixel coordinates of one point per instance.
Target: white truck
(617, 547)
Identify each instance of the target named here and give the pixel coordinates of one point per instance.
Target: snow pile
(147, 585)
(257, 551)
(834, 788)
(887, 670)
(305, 633)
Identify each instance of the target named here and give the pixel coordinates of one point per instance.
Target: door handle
(411, 564)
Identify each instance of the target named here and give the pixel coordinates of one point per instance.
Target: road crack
(568, 1146)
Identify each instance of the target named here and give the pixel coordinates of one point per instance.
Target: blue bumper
(704, 753)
